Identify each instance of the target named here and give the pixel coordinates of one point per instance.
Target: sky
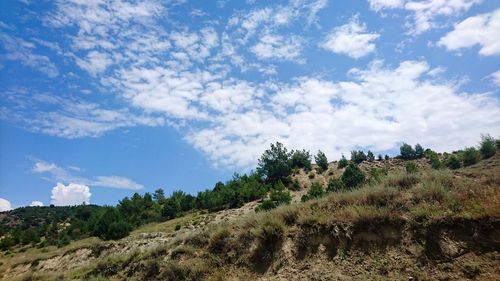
(100, 99)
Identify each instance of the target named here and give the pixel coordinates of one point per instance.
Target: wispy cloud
(68, 175)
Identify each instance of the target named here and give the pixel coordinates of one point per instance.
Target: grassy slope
(430, 225)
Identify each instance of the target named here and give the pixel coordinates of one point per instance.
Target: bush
(295, 186)
(435, 162)
(118, 230)
(63, 241)
(471, 156)
(343, 162)
(487, 146)
(377, 174)
(386, 157)
(301, 159)
(177, 227)
(311, 175)
(352, 176)
(266, 205)
(335, 185)
(321, 161)
(453, 163)
(411, 168)
(379, 157)
(281, 196)
(316, 191)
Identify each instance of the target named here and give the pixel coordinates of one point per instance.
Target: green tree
(471, 156)
(321, 161)
(275, 164)
(435, 162)
(352, 176)
(407, 152)
(301, 159)
(159, 195)
(369, 156)
(487, 146)
(279, 195)
(379, 158)
(419, 151)
(358, 156)
(343, 162)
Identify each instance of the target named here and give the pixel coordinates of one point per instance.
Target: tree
(487, 146)
(159, 195)
(435, 162)
(386, 157)
(407, 152)
(379, 158)
(343, 162)
(370, 156)
(358, 156)
(301, 159)
(471, 156)
(419, 151)
(352, 176)
(321, 161)
(118, 229)
(274, 164)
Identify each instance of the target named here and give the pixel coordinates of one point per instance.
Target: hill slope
(428, 225)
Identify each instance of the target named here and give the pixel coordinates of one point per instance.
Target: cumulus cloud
(36, 204)
(71, 194)
(351, 39)
(61, 174)
(5, 205)
(272, 46)
(424, 13)
(482, 30)
(390, 105)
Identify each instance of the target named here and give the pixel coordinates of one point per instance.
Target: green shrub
(471, 156)
(280, 196)
(316, 191)
(311, 175)
(295, 186)
(377, 174)
(411, 167)
(335, 185)
(321, 161)
(419, 151)
(487, 146)
(453, 163)
(177, 227)
(352, 176)
(63, 241)
(343, 162)
(379, 157)
(386, 157)
(435, 162)
(266, 205)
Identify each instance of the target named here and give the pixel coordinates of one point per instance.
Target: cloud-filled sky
(104, 98)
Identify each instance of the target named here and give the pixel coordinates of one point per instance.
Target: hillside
(426, 224)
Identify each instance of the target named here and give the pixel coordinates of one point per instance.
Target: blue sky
(101, 99)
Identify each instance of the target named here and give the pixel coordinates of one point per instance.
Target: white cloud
(495, 78)
(378, 5)
(60, 174)
(351, 39)
(273, 46)
(117, 182)
(482, 30)
(5, 205)
(23, 51)
(36, 204)
(71, 194)
(95, 62)
(425, 14)
(390, 105)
